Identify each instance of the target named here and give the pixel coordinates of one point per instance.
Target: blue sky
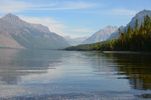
(75, 18)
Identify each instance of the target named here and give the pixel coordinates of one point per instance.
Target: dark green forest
(137, 38)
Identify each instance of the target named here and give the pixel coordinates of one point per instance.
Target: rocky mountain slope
(16, 33)
(101, 35)
(139, 17)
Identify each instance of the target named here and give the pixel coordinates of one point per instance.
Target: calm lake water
(73, 75)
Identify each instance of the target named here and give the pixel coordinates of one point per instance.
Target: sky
(75, 18)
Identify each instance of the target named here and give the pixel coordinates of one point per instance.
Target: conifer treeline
(137, 38)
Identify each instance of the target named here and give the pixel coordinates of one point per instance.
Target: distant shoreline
(127, 52)
(116, 52)
(107, 52)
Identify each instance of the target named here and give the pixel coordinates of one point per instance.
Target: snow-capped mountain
(101, 35)
(16, 33)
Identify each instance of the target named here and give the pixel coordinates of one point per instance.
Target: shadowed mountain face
(17, 33)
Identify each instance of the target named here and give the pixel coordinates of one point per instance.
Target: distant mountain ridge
(101, 35)
(75, 41)
(17, 33)
(135, 36)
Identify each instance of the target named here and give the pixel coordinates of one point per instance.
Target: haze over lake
(75, 49)
(48, 74)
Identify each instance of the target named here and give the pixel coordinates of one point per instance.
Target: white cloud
(79, 32)
(52, 24)
(82, 30)
(79, 5)
(7, 6)
(63, 6)
(122, 11)
(15, 6)
(59, 27)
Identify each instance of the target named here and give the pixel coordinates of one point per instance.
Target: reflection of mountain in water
(16, 63)
(100, 62)
(137, 67)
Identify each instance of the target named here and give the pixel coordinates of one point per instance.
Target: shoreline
(127, 52)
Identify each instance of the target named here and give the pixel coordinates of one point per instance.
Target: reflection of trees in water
(100, 62)
(136, 66)
(17, 63)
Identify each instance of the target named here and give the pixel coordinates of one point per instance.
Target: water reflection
(100, 62)
(46, 72)
(16, 63)
(137, 68)
(134, 67)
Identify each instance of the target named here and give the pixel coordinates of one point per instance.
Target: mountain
(115, 34)
(136, 36)
(139, 17)
(101, 35)
(16, 33)
(75, 41)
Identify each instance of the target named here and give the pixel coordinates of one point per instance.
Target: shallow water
(73, 75)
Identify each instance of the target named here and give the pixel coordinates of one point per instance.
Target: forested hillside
(137, 38)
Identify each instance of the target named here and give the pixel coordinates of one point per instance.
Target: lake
(74, 75)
